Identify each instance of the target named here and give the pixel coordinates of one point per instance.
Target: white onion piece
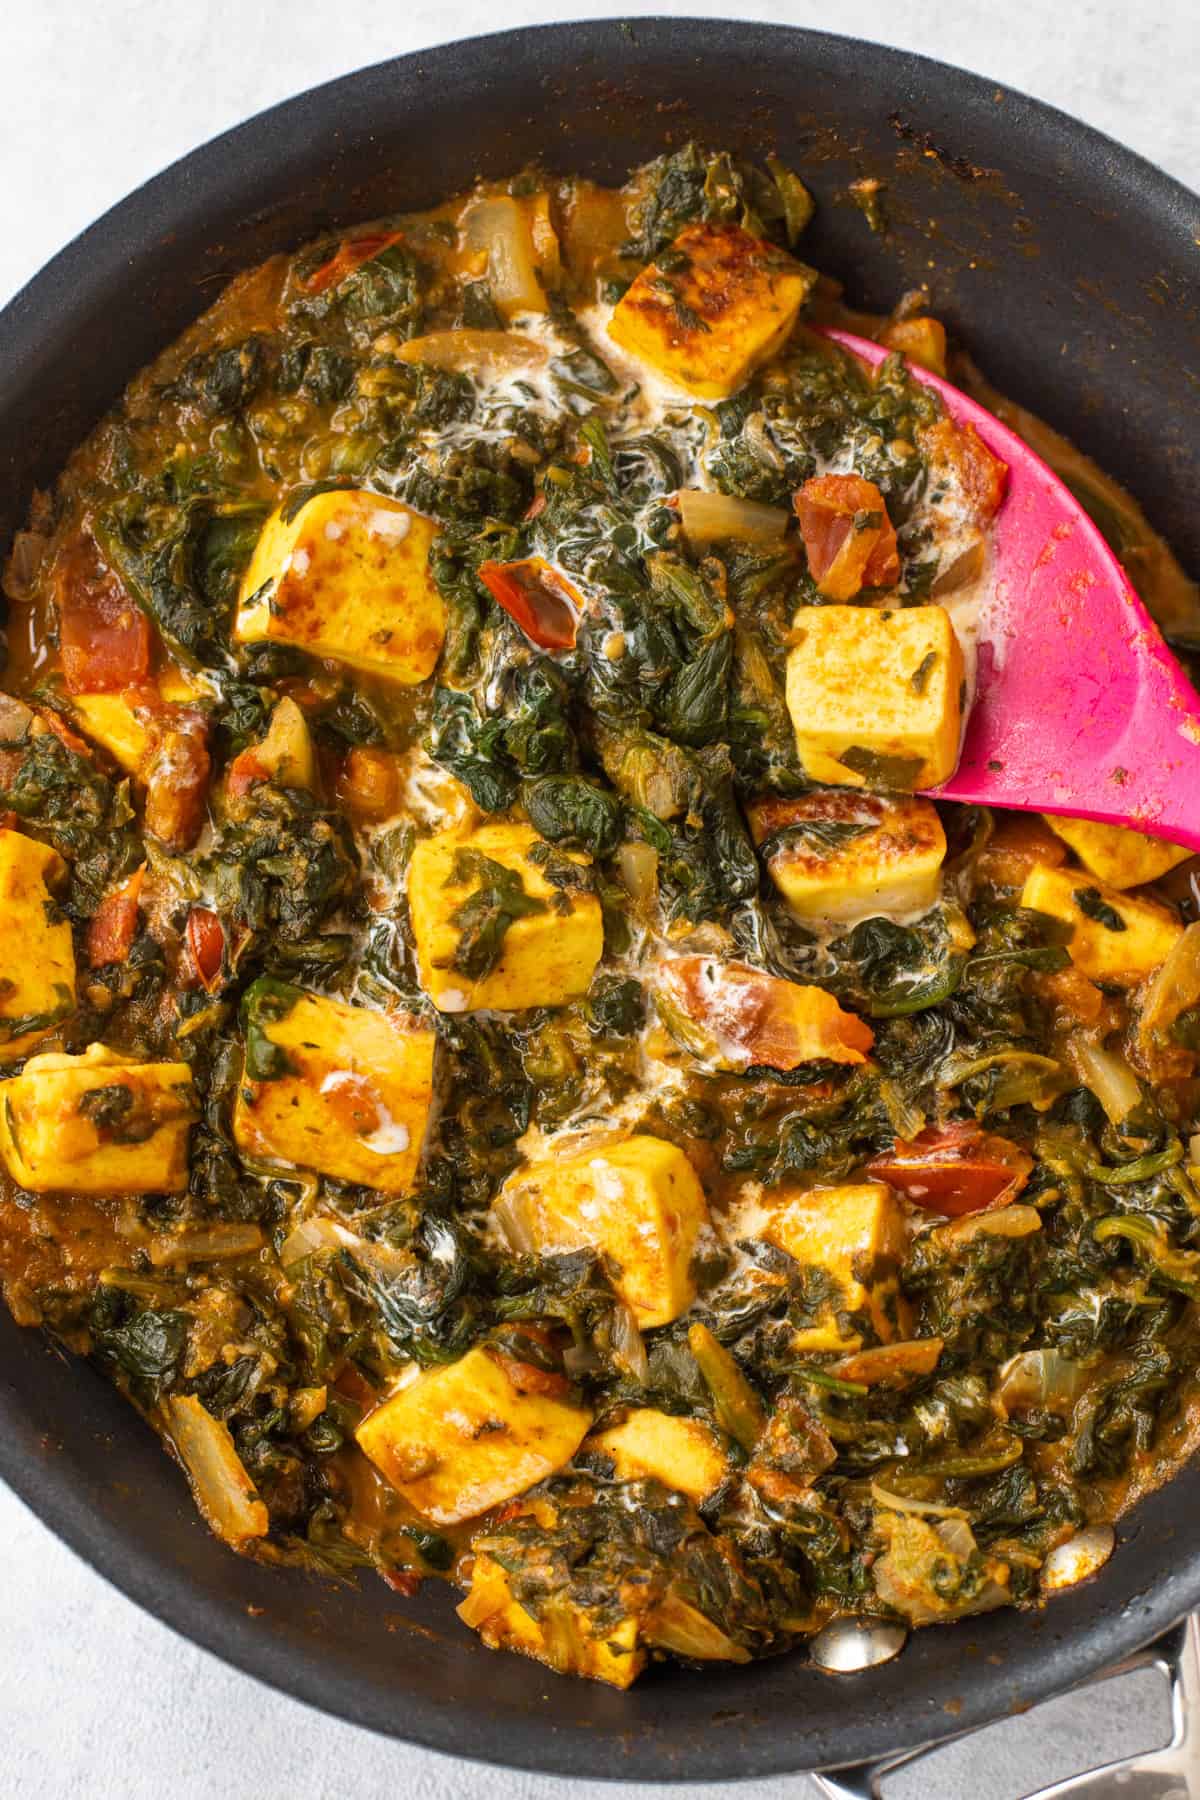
(224, 1492)
(903, 1503)
(1041, 1378)
(205, 1243)
(1107, 1075)
(708, 518)
(500, 226)
(509, 1212)
(1078, 1558)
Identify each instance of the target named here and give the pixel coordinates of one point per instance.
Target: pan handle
(1172, 1773)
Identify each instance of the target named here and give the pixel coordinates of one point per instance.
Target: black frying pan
(1042, 234)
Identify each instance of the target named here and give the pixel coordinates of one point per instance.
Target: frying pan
(1068, 266)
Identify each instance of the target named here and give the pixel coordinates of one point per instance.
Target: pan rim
(100, 254)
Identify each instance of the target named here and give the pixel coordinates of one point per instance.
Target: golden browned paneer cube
(843, 855)
(345, 575)
(858, 1236)
(876, 698)
(712, 309)
(503, 1624)
(1116, 937)
(37, 959)
(638, 1201)
(491, 931)
(340, 1089)
(1122, 858)
(463, 1437)
(681, 1453)
(100, 1123)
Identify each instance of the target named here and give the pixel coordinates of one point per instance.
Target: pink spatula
(1079, 705)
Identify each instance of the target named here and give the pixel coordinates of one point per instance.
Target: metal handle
(1172, 1773)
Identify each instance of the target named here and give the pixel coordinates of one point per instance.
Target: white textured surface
(96, 1699)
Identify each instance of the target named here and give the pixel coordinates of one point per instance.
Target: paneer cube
(844, 856)
(492, 931)
(345, 575)
(37, 959)
(503, 1624)
(112, 721)
(100, 1123)
(1116, 937)
(1122, 858)
(462, 1438)
(714, 308)
(638, 1201)
(340, 1089)
(127, 723)
(876, 698)
(857, 1237)
(681, 1453)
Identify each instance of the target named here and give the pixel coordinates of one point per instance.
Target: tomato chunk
(738, 1017)
(104, 637)
(980, 476)
(369, 783)
(350, 255)
(954, 1169)
(849, 538)
(112, 930)
(540, 600)
(176, 776)
(205, 937)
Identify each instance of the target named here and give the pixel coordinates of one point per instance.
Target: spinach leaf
(1093, 905)
(487, 914)
(576, 811)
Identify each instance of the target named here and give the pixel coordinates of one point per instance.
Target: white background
(96, 1699)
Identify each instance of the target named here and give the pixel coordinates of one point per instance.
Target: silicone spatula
(1079, 706)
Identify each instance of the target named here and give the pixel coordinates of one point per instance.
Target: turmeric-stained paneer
(876, 698)
(1116, 937)
(502, 920)
(468, 1435)
(37, 960)
(345, 575)
(115, 723)
(857, 1237)
(99, 1123)
(681, 1453)
(340, 1089)
(638, 1201)
(714, 307)
(840, 855)
(731, 1016)
(1122, 858)
(573, 1646)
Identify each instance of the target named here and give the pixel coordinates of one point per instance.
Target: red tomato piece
(246, 768)
(954, 1169)
(541, 601)
(104, 636)
(205, 938)
(404, 1581)
(350, 255)
(980, 476)
(112, 930)
(176, 776)
(848, 536)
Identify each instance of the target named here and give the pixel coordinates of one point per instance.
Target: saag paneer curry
(497, 1060)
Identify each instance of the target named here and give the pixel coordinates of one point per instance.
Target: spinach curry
(501, 1065)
